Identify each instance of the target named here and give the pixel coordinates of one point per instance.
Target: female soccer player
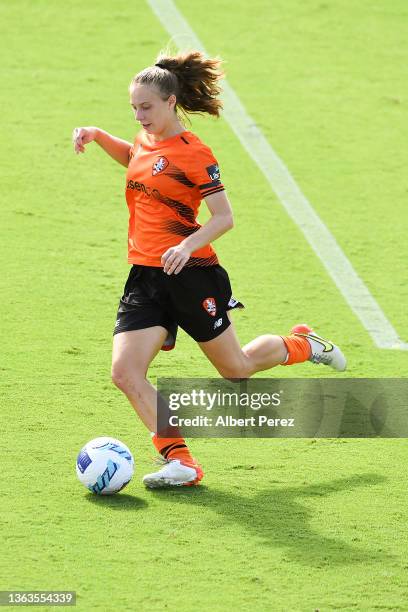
(175, 278)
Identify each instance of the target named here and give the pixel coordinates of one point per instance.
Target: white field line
(293, 200)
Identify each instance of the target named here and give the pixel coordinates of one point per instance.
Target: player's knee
(119, 377)
(235, 372)
(126, 379)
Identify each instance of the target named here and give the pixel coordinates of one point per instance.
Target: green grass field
(281, 525)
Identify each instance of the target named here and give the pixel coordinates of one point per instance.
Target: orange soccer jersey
(165, 184)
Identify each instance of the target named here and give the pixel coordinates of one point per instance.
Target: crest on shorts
(159, 165)
(210, 306)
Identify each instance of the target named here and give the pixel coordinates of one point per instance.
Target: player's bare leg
(232, 361)
(133, 351)
(268, 351)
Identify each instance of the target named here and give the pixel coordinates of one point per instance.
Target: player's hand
(175, 258)
(82, 136)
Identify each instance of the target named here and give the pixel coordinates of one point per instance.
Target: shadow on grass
(276, 516)
(122, 501)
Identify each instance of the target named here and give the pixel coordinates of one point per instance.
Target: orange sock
(173, 448)
(298, 349)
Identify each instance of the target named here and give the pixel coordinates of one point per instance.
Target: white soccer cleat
(174, 474)
(323, 351)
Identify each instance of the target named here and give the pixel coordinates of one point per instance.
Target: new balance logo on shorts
(218, 323)
(210, 306)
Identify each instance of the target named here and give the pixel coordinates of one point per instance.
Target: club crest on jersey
(210, 306)
(213, 172)
(159, 165)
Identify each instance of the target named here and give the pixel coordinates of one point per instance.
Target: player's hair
(190, 76)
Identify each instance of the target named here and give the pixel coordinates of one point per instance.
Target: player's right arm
(115, 147)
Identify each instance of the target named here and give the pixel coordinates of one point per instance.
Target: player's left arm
(221, 221)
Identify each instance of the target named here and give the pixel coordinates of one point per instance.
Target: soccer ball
(105, 466)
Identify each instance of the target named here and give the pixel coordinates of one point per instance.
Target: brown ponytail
(190, 76)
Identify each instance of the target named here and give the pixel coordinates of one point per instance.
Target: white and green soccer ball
(105, 466)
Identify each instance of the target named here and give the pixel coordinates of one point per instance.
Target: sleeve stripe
(212, 184)
(211, 191)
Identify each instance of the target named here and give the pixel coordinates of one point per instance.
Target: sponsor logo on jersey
(144, 188)
(213, 172)
(218, 323)
(210, 306)
(159, 165)
(182, 209)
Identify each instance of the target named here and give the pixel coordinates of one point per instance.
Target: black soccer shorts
(196, 299)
